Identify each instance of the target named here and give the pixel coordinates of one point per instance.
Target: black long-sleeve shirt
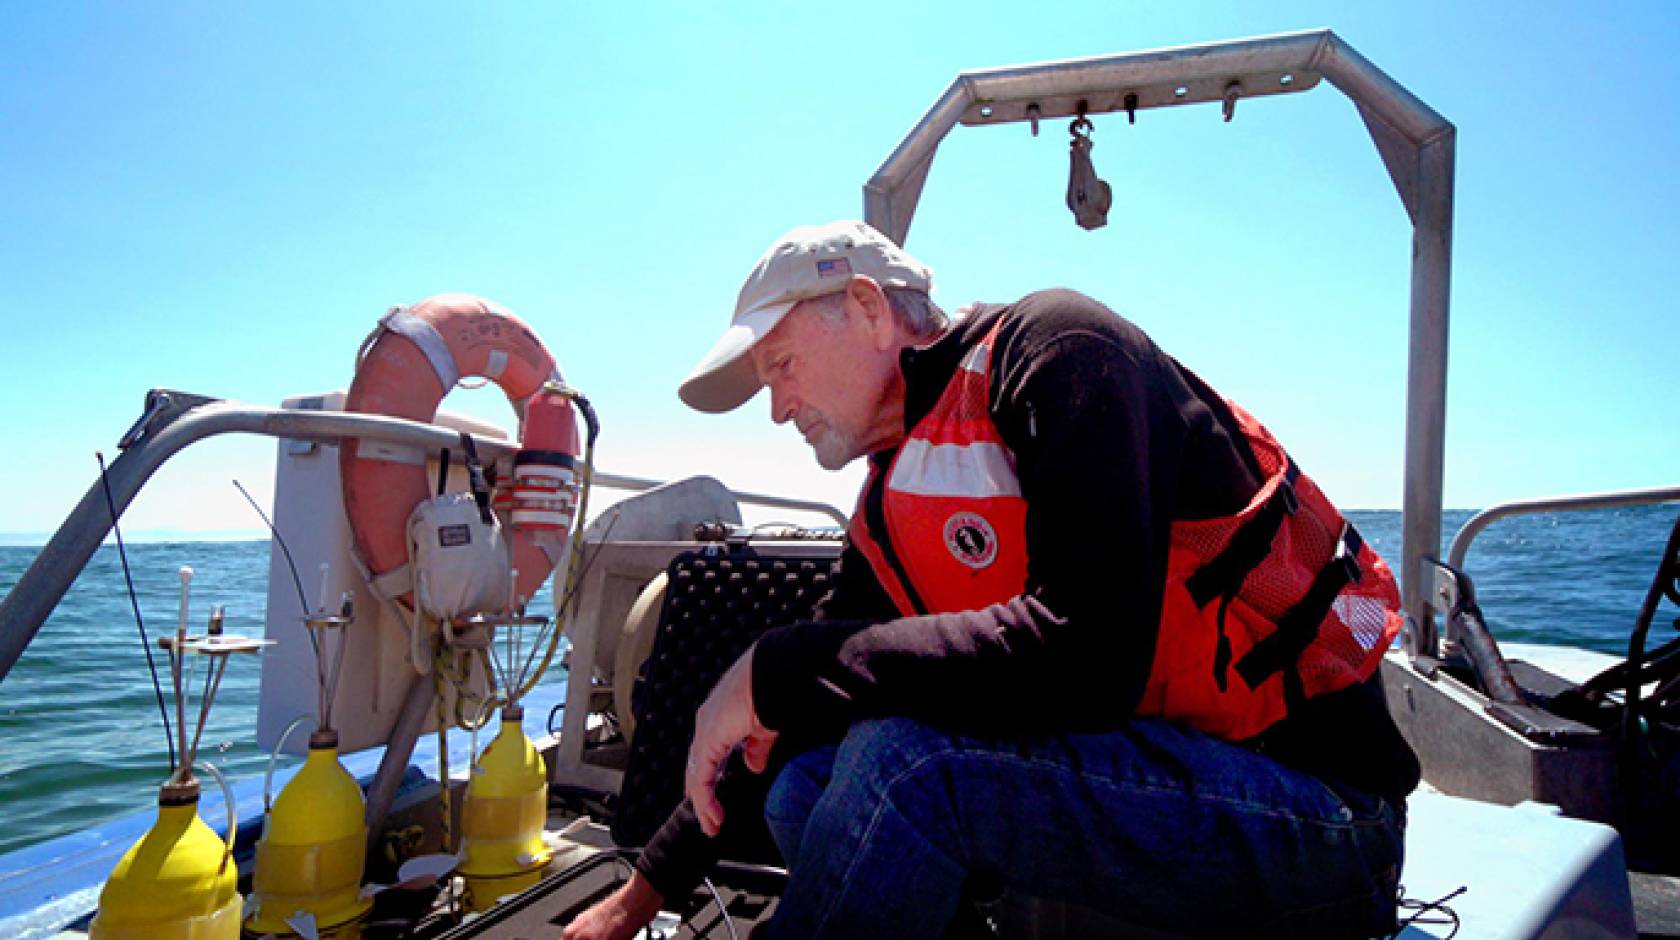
(1113, 441)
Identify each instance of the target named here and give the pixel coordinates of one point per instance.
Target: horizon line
(27, 539)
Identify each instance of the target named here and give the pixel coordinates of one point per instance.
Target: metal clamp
(162, 407)
(157, 401)
(1455, 594)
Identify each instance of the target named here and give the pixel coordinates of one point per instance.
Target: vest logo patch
(971, 539)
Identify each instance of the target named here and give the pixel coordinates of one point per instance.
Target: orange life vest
(1262, 610)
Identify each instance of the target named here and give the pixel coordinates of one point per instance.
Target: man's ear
(871, 301)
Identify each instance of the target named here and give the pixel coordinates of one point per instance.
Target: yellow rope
(438, 688)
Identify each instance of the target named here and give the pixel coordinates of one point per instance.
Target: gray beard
(834, 448)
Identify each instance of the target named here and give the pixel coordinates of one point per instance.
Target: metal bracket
(1005, 105)
(1233, 91)
(1445, 586)
(163, 406)
(1419, 637)
(1467, 634)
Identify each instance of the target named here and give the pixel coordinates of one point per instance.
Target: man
(1094, 637)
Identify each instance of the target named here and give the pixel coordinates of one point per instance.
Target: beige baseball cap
(809, 261)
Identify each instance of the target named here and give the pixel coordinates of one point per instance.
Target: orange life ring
(413, 359)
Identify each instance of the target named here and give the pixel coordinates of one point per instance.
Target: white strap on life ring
(399, 321)
(394, 583)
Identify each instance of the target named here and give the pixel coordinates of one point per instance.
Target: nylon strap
(1298, 626)
(475, 479)
(1249, 545)
(394, 583)
(399, 321)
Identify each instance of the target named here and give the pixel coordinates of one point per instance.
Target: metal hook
(1131, 104)
(1032, 116)
(1233, 91)
(1087, 195)
(1081, 123)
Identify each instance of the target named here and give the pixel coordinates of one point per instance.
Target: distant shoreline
(148, 537)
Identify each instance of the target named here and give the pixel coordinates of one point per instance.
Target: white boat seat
(1528, 872)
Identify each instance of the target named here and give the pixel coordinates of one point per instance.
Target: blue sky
(223, 198)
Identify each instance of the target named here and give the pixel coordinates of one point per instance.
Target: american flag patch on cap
(834, 266)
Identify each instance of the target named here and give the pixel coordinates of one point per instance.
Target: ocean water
(81, 740)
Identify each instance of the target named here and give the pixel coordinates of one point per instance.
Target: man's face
(824, 377)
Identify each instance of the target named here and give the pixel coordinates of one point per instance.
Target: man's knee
(878, 760)
(793, 795)
(798, 784)
(891, 747)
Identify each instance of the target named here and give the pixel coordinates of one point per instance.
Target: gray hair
(914, 310)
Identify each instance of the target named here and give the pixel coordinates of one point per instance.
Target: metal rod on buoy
(514, 635)
(177, 659)
(320, 660)
(329, 690)
(321, 604)
(176, 882)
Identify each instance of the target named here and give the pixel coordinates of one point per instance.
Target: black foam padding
(715, 607)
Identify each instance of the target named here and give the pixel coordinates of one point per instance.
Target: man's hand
(724, 720)
(619, 915)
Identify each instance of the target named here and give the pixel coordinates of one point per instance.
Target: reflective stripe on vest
(954, 516)
(1262, 609)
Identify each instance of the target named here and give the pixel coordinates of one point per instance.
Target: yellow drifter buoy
(177, 883)
(507, 804)
(309, 861)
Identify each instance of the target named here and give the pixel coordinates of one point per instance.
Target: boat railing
(174, 420)
(1526, 507)
(1449, 579)
(638, 484)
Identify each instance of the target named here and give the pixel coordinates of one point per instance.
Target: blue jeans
(1156, 825)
